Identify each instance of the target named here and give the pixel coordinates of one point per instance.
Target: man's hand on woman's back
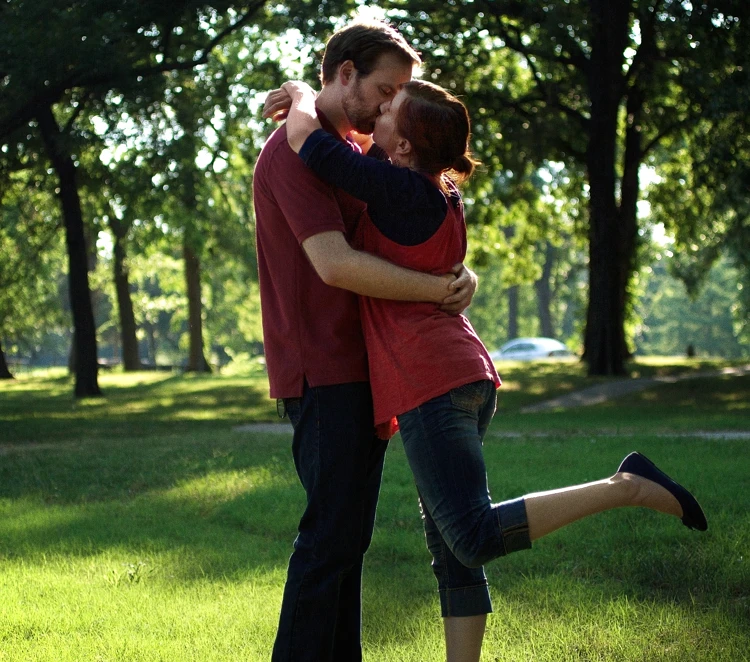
(463, 290)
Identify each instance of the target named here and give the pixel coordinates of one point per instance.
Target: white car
(527, 349)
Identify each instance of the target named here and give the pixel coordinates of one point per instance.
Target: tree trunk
(196, 359)
(608, 262)
(628, 226)
(151, 342)
(544, 293)
(512, 312)
(5, 372)
(130, 359)
(512, 292)
(633, 155)
(84, 338)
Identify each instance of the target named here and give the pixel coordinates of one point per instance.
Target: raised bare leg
(638, 482)
(553, 509)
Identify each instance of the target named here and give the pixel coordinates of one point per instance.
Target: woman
(429, 369)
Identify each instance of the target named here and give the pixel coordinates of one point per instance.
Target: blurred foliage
(160, 104)
(710, 321)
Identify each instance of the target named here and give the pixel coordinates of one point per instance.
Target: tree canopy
(134, 129)
(49, 79)
(598, 86)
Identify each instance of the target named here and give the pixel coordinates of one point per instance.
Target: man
(315, 353)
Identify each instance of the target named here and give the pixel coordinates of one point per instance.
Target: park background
(611, 210)
(148, 514)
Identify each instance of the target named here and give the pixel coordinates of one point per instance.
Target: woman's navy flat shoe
(640, 465)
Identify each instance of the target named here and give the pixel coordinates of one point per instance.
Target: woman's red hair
(437, 125)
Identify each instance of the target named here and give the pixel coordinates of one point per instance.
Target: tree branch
(547, 91)
(565, 145)
(77, 112)
(667, 130)
(578, 57)
(84, 77)
(206, 50)
(645, 53)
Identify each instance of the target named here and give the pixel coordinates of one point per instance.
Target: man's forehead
(392, 70)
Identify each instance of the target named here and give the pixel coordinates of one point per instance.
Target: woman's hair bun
(463, 165)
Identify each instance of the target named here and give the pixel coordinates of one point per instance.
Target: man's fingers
(456, 297)
(276, 113)
(271, 108)
(460, 282)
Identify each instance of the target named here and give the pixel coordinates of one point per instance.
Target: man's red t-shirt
(311, 331)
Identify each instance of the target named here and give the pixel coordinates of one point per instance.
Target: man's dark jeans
(339, 461)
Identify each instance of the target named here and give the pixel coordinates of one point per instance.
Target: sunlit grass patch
(125, 615)
(146, 526)
(574, 622)
(222, 486)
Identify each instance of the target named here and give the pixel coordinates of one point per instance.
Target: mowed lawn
(149, 525)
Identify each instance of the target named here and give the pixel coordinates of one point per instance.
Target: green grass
(143, 526)
(689, 405)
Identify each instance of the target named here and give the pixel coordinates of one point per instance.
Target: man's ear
(346, 72)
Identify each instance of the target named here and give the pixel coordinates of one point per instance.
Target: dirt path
(599, 393)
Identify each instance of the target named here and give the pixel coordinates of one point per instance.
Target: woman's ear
(346, 72)
(403, 148)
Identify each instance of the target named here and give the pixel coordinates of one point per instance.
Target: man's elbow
(331, 257)
(331, 272)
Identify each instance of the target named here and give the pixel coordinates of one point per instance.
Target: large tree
(114, 192)
(56, 56)
(595, 84)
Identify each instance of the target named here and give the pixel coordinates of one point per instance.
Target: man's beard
(361, 118)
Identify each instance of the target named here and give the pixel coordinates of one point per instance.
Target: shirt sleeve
(402, 203)
(308, 203)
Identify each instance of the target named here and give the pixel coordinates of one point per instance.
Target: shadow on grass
(44, 411)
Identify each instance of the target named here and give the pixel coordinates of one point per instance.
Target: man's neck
(329, 102)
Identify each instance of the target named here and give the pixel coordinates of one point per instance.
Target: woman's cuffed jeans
(463, 528)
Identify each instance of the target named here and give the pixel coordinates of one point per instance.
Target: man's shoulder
(277, 159)
(276, 164)
(273, 146)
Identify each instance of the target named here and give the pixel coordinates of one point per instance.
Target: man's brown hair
(363, 42)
